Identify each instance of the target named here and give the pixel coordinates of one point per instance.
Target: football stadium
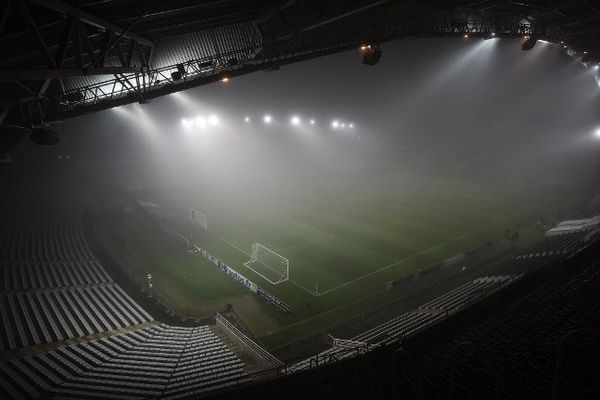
(299, 199)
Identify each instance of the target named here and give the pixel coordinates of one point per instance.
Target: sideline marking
(409, 257)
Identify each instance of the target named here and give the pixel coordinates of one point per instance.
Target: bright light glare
(200, 122)
(295, 120)
(213, 120)
(312, 121)
(225, 79)
(267, 118)
(351, 126)
(597, 133)
(247, 119)
(343, 125)
(335, 124)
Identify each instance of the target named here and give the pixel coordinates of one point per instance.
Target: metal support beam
(339, 17)
(88, 18)
(275, 11)
(35, 74)
(35, 31)
(5, 15)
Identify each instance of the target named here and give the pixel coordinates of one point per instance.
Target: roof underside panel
(98, 54)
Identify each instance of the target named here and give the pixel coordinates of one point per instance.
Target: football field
(340, 247)
(343, 246)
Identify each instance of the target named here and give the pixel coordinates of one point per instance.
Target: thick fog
(473, 109)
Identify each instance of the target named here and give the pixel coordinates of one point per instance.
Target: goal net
(198, 218)
(268, 264)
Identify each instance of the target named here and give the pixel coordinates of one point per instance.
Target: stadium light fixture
(351, 126)
(295, 120)
(267, 119)
(371, 55)
(185, 123)
(597, 133)
(200, 122)
(213, 120)
(312, 121)
(335, 124)
(247, 119)
(529, 43)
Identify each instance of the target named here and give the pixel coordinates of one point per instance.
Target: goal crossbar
(199, 218)
(268, 264)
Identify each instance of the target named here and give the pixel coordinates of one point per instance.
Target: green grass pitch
(340, 249)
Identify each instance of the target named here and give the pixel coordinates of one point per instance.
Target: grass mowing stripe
(407, 259)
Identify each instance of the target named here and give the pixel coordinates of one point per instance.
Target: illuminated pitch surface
(344, 245)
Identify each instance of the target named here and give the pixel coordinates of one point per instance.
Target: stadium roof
(63, 58)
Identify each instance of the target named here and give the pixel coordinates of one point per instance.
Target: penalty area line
(307, 242)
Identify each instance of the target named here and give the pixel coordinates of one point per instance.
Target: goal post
(269, 265)
(199, 218)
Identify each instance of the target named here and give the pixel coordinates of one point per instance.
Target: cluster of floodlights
(203, 122)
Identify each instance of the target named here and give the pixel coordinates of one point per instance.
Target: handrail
(251, 344)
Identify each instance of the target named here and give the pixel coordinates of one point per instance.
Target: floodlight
(351, 126)
(529, 43)
(267, 119)
(213, 120)
(225, 79)
(247, 119)
(372, 55)
(295, 120)
(466, 35)
(335, 124)
(200, 122)
(343, 125)
(312, 121)
(597, 133)
(73, 97)
(490, 35)
(177, 75)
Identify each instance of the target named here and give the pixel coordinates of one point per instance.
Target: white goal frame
(199, 218)
(254, 249)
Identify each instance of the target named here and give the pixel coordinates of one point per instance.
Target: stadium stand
(557, 246)
(102, 343)
(159, 361)
(70, 332)
(413, 322)
(539, 339)
(53, 288)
